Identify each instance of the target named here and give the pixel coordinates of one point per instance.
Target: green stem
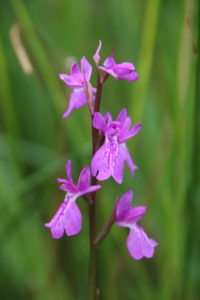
(192, 241)
(145, 58)
(8, 112)
(42, 65)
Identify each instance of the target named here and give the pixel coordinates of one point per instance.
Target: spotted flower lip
(79, 82)
(68, 218)
(138, 243)
(122, 71)
(109, 159)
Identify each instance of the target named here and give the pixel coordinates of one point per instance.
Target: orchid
(122, 71)
(79, 81)
(109, 152)
(138, 243)
(68, 218)
(109, 159)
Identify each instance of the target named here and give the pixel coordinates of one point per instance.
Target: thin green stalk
(178, 163)
(193, 193)
(8, 112)
(39, 53)
(45, 69)
(145, 58)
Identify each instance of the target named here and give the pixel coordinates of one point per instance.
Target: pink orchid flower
(79, 82)
(68, 218)
(138, 243)
(109, 159)
(122, 71)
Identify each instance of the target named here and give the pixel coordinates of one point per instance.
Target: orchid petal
(69, 170)
(61, 180)
(101, 164)
(129, 77)
(68, 218)
(124, 129)
(57, 223)
(84, 179)
(109, 62)
(71, 81)
(91, 189)
(86, 68)
(117, 165)
(108, 71)
(76, 73)
(135, 214)
(126, 135)
(77, 100)
(124, 203)
(123, 68)
(73, 219)
(128, 217)
(108, 118)
(127, 157)
(99, 122)
(139, 244)
(122, 115)
(68, 186)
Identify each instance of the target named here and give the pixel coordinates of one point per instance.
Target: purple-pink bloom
(123, 71)
(109, 159)
(138, 243)
(68, 218)
(79, 82)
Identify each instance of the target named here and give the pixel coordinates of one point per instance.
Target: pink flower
(138, 243)
(123, 71)
(109, 159)
(68, 218)
(79, 82)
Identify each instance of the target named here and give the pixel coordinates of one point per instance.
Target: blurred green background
(38, 40)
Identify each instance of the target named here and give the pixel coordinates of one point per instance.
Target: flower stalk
(109, 153)
(106, 228)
